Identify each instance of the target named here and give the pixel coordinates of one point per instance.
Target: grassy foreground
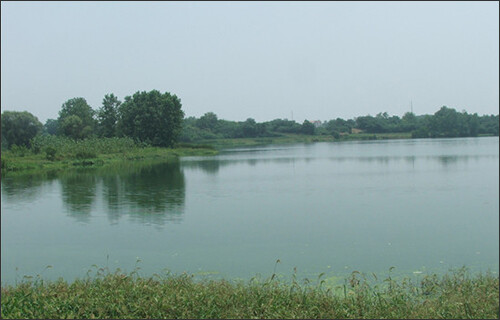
(117, 295)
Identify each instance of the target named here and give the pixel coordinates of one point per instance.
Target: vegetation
(118, 295)
(49, 153)
(108, 116)
(446, 122)
(76, 119)
(18, 128)
(83, 136)
(151, 117)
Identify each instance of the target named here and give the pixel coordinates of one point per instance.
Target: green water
(417, 205)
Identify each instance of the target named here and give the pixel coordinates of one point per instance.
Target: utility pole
(411, 106)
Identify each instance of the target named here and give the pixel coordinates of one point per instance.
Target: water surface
(422, 205)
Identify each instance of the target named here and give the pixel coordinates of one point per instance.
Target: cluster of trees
(209, 126)
(153, 117)
(446, 122)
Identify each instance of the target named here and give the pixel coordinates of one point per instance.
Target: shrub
(50, 153)
(85, 154)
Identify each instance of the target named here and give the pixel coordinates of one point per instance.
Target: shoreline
(30, 163)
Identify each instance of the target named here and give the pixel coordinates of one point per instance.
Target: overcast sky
(264, 60)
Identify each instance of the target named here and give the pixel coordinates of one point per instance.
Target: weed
(119, 295)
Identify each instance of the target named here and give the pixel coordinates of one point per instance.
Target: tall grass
(119, 295)
(87, 148)
(48, 152)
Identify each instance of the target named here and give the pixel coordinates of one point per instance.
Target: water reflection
(213, 165)
(78, 192)
(209, 166)
(148, 193)
(24, 188)
(154, 194)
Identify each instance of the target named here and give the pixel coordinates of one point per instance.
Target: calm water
(417, 205)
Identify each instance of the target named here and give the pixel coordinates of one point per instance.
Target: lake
(421, 205)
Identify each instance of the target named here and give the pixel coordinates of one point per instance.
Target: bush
(20, 151)
(85, 154)
(50, 153)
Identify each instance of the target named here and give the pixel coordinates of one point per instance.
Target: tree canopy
(76, 119)
(151, 117)
(107, 116)
(18, 128)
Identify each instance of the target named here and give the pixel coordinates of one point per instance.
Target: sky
(260, 60)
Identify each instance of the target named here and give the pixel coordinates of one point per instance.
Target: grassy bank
(116, 295)
(49, 154)
(299, 138)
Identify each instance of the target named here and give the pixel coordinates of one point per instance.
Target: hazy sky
(265, 60)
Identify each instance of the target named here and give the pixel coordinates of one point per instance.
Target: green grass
(300, 138)
(118, 295)
(50, 153)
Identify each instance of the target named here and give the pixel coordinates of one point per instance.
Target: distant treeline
(156, 119)
(446, 122)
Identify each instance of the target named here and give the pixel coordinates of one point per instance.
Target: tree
(74, 128)
(284, 126)
(208, 121)
(108, 115)
(51, 126)
(408, 122)
(335, 127)
(307, 128)
(18, 128)
(151, 117)
(249, 128)
(446, 122)
(473, 124)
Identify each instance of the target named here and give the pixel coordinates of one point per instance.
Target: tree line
(157, 119)
(153, 118)
(446, 122)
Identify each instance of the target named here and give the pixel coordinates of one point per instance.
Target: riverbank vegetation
(446, 122)
(55, 153)
(117, 295)
(152, 125)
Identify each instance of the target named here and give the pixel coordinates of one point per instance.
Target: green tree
(473, 124)
(74, 128)
(107, 116)
(249, 128)
(338, 125)
(18, 128)
(208, 121)
(283, 126)
(151, 117)
(444, 123)
(51, 126)
(408, 122)
(308, 128)
(488, 124)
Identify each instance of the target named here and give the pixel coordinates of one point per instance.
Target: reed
(456, 294)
